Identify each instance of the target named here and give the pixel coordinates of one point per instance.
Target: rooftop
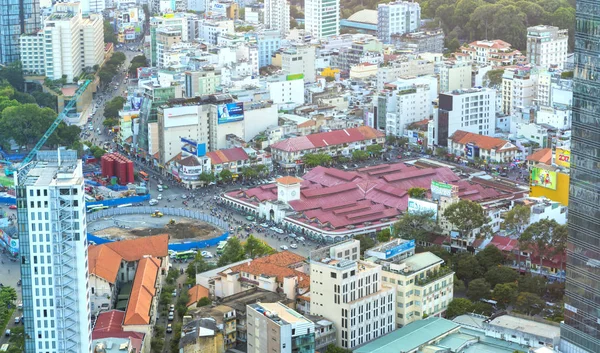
(364, 16)
(142, 293)
(421, 261)
(227, 155)
(109, 324)
(543, 155)
(410, 337)
(526, 326)
(281, 314)
(484, 142)
(133, 249)
(196, 293)
(278, 265)
(325, 139)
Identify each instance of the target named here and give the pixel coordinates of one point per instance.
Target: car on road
(504, 175)
(153, 202)
(277, 230)
(184, 196)
(283, 247)
(264, 225)
(12, 207)
(174, 292)
(169, 328)
(171, 316)
(206, 254)
(300, 239)
(172, 307)
(7, 333)
(17, 320)
(159, 197)
(294, 246)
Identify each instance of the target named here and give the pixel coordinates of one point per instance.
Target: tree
(500, 275)
(113, 106)
(416, 225)
(532, 284)
(255, 247)
(249, 173)
(458, 306)
(529, 303)
(314, 159)
(45, 100)
(204, 301)
(226, 175)
(375, 149)
(505, 293)
(384, 235)
(332, 348)
(359, 155)
(482, 308)
(417, 193)
(365, 242)
(109, 33)
(465, 215)
(199, 265)
(207, 177)
(136, 63)
(489, 257)
(493, 78)
(478, 289)
(517, 218)
(8, 295)
(13, 74)
(110, 122)
(467, 268)
(538, 237)
(25, 123)
(233, 252)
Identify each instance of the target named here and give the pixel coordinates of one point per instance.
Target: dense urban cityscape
(265, 176)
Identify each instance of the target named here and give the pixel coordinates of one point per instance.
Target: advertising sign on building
(229, 113)
(441, 189)
(563, 158)
(12, 245)
(400, 249)
(416, 206)
(544, 178)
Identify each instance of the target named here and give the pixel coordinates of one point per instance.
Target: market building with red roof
(334, 204)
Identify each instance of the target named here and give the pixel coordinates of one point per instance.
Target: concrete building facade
(397, 18)
(547, 46)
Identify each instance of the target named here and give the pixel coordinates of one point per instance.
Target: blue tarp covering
(117, 202)
(176, 246)
(117, 187)
(91, 182)
(8, 200)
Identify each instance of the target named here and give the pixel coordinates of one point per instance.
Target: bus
(96, 208)
(185, 255)
(143, 175)
(221, 247)
(125, 205)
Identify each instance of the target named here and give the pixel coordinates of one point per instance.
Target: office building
(397, 18)
(16, 17)
(406, 104)
(322, 18)
(68, 44)
(202, 82)
(268, 42)
(581, 329)
(53, 245)
(274, 327)
(277, 16)
(300, 60)
(350, 293)
(472, 110)
(547, 46)
(455, 75)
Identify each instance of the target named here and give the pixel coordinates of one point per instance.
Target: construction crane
(24, 166)
(9, 169)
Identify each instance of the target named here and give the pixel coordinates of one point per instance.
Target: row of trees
(250, 249)
(111, 111)
(111, 67)
(137, 62)
(324, 159)
(507, 20)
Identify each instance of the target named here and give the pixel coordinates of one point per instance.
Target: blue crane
(9, 170)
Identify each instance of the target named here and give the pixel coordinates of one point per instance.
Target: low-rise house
(108, 330)
(196, 293)
(488, 148)
(523, 331)
(200, 336)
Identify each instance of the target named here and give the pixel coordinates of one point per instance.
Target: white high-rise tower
(322, 18)
(53, 250)
(277, 16)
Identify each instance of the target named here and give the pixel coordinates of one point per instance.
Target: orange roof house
(484, 142)
(135, 249)
(543, 156)
(196, 293)
(104, 262)
(142, 292)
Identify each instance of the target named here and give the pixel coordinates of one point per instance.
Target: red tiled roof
(277, 265)
(227, 155)
(136, 249)
(331, 138)
(104, 262)
(289, 180)
(142, 292)
(196, 293)
(543, 155)
(109, 321)
(504, 243)
(484, 142)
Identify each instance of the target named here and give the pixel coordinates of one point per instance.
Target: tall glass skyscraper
(581, 329)
(16, 17)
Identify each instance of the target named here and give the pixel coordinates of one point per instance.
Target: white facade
(53, 245)
(555, 117)
(277, 16)
(179, 122)
(66, 45)
(397, 18)
(408, 66)
(300, 60)
(533, 133)
(547, 46)
(350, 294)
(519, 89)
(455, 75)
(283, 91)
(472, 110)
(407, 105)
(322, 18)
(209, 30)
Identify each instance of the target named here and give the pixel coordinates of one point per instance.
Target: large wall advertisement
(563, 158)
(229, 113)
(421, 206)
(544, 178)
(12, 245)
(441, 189)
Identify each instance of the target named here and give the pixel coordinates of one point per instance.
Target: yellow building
(202, 336)
(557, 186)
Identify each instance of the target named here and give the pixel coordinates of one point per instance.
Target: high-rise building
(68, 44)
(581, 328)
(273, 327)
(300, 59)
(16, 17)
(53, 246)
(322, 18)
(397, 18)
(351, 294)
(277, 16)
(547, 45)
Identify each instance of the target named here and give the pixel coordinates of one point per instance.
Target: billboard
(229, 113)
(441, 189)
(400, 249)
(12, 245)
(134, 15)
(563, 158)
(294, 77)
(421, 206)
(544, 178)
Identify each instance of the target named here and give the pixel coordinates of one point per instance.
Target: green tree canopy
(478, 289)
(113, 106)
(540, 236)
(233, 252)
(468, 268)
(109, 33)
(417, 193)
(375, 149)
(255, 247)
(416, 225)
(500, 275)
(529, 303)
(359, 155)
(365, 242)
(459, 306)
(517, 218)
(316, 159)
(466, 216)
(226, 175)
(489, 257)
(505, 293)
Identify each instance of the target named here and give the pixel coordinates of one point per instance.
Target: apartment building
(274, 327)
(547, 46)
(423, 285)
(406, 65)
(322, 18)
(200, 83)
(472, 110)
(53, 250)
(166, 37)
(68, 44)
(519, 88)
(299, 59)
(406, 105)
(277, 16)
(490, 52)
(397, 18)
(455, 75)
(351, 294)
(286, 89)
